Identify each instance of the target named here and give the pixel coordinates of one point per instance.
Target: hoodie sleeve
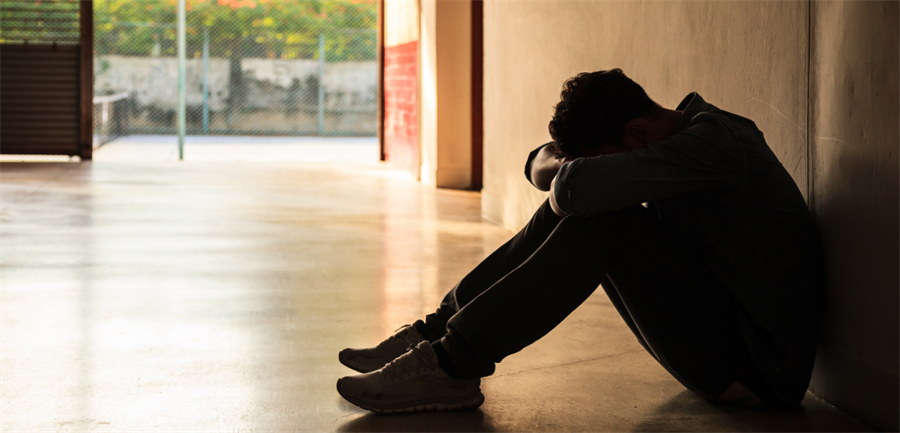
(531, 157)
(703, 159)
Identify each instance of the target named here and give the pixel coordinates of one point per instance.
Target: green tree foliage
(286, 29)
(39, 21)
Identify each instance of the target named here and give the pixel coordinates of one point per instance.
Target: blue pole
(206, 80)
(321, 83)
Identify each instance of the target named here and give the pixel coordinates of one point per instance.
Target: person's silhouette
(685, 217)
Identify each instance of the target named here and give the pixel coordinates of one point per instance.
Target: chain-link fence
(41, 22)
(254, 67)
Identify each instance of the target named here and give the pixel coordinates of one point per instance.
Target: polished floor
(142, 295)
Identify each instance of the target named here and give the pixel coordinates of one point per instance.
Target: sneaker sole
(434, 407)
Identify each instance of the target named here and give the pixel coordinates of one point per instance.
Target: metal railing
(110, 118)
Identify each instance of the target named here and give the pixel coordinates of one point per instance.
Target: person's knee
(627, 229)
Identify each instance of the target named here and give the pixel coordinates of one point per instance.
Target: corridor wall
(854, 136)
(819, 79)
(446, 93)
(401, 84)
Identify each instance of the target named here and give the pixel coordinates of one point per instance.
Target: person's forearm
(545, 166)
(553, 204)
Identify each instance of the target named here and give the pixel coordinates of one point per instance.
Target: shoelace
(398, 333)
(403, 365)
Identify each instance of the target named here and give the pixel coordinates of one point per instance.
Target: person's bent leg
(685, 316)
(677, 307)
(536, 296)
(420, 380)
(616, 248)
(501, 262)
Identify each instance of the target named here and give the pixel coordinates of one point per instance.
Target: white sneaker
(373, 358)
(414, 382)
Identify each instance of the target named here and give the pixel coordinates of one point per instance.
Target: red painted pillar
(401, 120)
(401, 147)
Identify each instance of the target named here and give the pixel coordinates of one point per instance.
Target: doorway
(260, 74)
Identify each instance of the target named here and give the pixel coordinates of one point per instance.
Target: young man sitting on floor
(685, 217)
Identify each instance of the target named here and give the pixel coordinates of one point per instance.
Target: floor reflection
(402, 258)
(189, 296)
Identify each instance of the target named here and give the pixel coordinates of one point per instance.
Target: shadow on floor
(468, 421)
(687, 412)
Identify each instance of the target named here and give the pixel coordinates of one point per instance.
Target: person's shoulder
(709, 125)
(735, 124)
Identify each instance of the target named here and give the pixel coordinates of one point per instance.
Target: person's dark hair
(594, 108)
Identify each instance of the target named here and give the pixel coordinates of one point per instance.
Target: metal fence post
(206, 80)
(181, 73)
(321, 83)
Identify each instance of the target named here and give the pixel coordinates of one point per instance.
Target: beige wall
(446, 65)
(854, 134)
(750, 58)
(401, 17)
(671, 48)
(428, 92)
(454, 84)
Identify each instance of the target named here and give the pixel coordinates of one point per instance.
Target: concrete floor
(163, 296)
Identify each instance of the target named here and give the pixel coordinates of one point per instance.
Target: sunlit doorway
(264, 80)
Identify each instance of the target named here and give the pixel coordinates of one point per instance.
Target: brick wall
(401, 122)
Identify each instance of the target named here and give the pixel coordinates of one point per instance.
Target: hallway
(162, 296)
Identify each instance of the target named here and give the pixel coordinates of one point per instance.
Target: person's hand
(553, 204)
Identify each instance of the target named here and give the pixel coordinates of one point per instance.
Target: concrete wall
(272, 95)
(349, 86)
(854, 164)
(401, 22)
(428, 91)
(671, 48)
(153, 81)
(446, 65)
(753, 59)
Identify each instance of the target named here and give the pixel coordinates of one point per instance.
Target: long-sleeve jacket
(717, 181)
